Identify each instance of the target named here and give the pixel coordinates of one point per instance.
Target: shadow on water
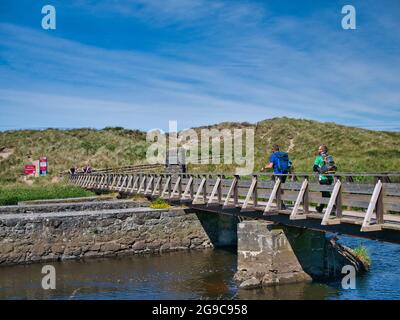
(176, 275)
(206, 274)
(299, 291)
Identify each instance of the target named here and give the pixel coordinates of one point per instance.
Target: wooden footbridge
(363, 205)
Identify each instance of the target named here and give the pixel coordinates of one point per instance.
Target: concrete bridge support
(220, 228)
(265, 256)
(271, 255)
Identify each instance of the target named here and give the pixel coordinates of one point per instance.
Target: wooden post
(273, 195)
(142, 184)
(188, 189)
(339, 205)
(118, 182)
(106, 182)
(326, 220)
(236, 191)
(191, 188)
(220, 189)
(100, 181)
(306, 202)
(103, 182)
(373, 204)
(88, 178)
(166, 190)
(156, 189)
(149, 185)
(216, 191)
(205, 189)
(86, 181)
(252, 192)
(135, 183)
(380, 210)
(152, 184)
(114, 179)
(123, 183)
(93, 181)
(232, 191)
(128, 183)
(279, 195)
(255, 193)
(82, 180)
(180, 188)
(201, 189)
(175, 191)
(349, 179)
(294, 215)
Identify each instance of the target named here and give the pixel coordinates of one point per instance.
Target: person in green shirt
(319, 169)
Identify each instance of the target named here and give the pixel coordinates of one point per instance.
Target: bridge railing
(372, 202)
(124, 169)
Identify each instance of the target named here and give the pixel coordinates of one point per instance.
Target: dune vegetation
(354, 149)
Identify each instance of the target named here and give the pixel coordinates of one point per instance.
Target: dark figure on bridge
(323, 166)
(72, 171)
(280, 163)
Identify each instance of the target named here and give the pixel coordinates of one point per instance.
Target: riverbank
(78, 230)
(11, 195)
(52, 236)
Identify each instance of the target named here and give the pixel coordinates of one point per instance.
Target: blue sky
(138, 64)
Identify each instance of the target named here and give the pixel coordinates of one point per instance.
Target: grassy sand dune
(354, 149)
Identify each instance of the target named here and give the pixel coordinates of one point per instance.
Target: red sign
(30, 169)
(43, 165)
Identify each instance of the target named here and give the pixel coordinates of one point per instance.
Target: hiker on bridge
(280, 163)
(88, 169)
(72, 171)
(324, 165)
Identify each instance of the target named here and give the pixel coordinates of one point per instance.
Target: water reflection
(177, 275)
(299, 291)
(204, 274)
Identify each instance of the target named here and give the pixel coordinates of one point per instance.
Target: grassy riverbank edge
(11, 195)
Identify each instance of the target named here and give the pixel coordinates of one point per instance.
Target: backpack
(290, 166)
(284, 163)
(329, 165)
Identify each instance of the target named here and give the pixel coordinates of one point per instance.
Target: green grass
(362, 253)
(354, 149)
(159, 204)
(107, 148)
(13, 194)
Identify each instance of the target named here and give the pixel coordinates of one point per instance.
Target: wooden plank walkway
(372, 203)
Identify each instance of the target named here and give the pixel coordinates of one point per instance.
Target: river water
(190, 275)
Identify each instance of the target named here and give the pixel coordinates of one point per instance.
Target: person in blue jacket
(280, 163)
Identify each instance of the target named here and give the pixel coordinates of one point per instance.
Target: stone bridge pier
(271, 255)
(265, 256)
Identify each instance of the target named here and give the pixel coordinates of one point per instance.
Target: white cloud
(233, 73)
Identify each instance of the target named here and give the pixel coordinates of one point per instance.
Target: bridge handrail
(268, 174)
(379, 197)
